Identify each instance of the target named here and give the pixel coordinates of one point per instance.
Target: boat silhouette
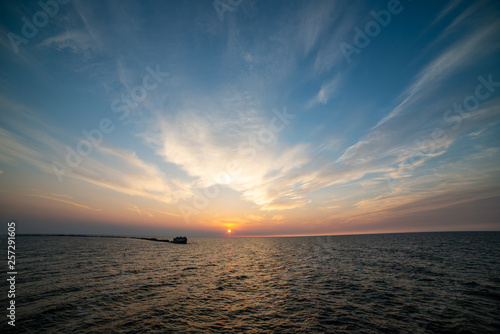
(180, 240)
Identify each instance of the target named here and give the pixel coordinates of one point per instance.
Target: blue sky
(268, 118)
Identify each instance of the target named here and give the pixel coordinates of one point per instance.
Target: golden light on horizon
(228, 231)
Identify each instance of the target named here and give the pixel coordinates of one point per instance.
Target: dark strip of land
(93, 236)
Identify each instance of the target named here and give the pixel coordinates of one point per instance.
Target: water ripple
(402, 283)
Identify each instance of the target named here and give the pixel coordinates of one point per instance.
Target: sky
(268, 118)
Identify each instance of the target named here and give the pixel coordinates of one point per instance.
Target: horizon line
(238, 236)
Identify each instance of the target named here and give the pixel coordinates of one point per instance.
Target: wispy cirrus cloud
(392, 140)
(62, 198)
(208, 146)
(452, 5)
(329, 54)
(163, 212)
(315, 21)
(328, 90)
(136, 209)
(462, 53)
(74, 41)
(117, 169)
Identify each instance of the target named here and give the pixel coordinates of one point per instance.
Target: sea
(383, 283)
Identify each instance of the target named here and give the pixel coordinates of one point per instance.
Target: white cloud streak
(120, 170)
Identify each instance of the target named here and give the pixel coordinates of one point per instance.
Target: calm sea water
(394, 283)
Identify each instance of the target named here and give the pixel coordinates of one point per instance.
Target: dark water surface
(393, 283)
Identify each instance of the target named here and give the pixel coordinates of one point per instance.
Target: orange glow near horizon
(228, 231)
